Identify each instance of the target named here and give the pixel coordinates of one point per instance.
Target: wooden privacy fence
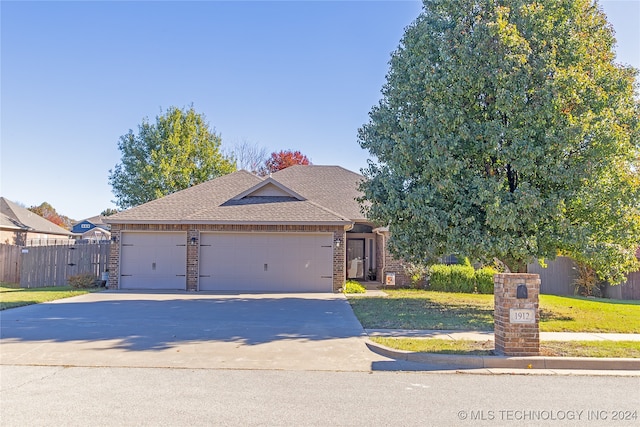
(42, 266)
(9, 263)
(628, 290)
(558, 279)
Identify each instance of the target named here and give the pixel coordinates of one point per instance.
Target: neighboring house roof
(6, 223)
(28, 221)
(96, 233)
(98, 221)
(242, 197)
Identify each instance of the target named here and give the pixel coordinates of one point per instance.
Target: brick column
(516, 318)
(193, 255)
(114, 258)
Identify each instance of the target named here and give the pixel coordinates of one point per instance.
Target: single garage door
(153, 260)
(273, 262)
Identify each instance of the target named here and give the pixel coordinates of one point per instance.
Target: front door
(355, 259)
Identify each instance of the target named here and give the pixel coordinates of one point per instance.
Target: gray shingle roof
(29, 221)
(215, 201)
(333, 187)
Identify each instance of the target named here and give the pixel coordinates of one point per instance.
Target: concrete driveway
(187, 330)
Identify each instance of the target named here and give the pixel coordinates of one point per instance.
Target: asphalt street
(67, 396)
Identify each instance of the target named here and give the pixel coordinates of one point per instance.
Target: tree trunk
(513, 265)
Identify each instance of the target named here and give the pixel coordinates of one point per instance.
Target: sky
(301, 75)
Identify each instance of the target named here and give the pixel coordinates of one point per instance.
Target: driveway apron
(187, 330)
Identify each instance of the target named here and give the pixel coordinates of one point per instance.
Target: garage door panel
(153, 260)
(266, 262)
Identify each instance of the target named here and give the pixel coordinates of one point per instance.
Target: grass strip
(17, 297)
(617, 349)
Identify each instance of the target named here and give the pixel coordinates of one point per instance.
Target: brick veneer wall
(516, 339)
(390, 264)
(194, 230)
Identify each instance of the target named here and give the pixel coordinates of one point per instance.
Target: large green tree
(507, 131)
(178, 151)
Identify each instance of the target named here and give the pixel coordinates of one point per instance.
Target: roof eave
(231, 222)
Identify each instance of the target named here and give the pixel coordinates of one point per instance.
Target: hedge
(484, 280)
(440, 277)
(461, 278)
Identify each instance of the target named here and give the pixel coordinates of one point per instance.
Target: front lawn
(17, 297)
(416, 309)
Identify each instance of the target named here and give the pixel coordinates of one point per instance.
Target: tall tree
(285, 158)
(506, 130)
(48, 212)
(178, 151)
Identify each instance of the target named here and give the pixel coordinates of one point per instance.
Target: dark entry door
(355, 259)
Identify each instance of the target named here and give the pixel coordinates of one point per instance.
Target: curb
(458, 361)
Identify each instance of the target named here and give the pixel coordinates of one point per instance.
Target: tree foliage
(283, 159)
(109, 212)
(48, 212)
(178, 151)
(507, 130)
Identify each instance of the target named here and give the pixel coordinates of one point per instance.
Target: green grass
(629, 349)
(438, 346)
(579, 314)
(416, 309)
(11, 297)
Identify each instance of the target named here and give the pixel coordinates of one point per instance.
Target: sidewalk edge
(534, 362)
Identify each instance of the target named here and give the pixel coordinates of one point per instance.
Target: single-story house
(299, 230)
(19, 226)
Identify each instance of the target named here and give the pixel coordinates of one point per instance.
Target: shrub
(353, 287)
(484, 280)
(440, 278)
(586, 282)
(416, 273)
(462, 278)
(81, 281)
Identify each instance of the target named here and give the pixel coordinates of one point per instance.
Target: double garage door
(272, 262)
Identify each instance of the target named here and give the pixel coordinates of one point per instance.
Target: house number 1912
(522, 315)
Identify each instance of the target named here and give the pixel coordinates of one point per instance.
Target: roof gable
(269, 188)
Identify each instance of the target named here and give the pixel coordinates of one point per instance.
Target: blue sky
(76, 75)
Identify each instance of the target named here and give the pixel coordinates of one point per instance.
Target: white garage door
(153, 261)
(291, 262)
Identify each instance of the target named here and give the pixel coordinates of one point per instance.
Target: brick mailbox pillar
(516, 316)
